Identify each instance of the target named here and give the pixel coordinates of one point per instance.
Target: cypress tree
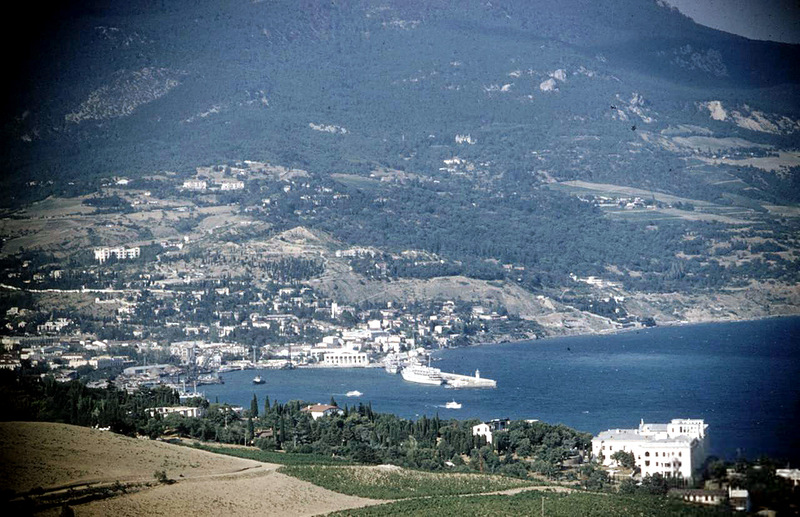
(254, 406)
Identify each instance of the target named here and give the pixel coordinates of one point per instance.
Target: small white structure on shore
(675, 449)
(187, 411)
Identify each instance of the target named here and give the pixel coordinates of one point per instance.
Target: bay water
(743, 378)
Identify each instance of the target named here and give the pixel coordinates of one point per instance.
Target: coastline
(611, 332)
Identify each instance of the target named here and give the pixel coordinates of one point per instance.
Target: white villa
(320, 410)
(676, 449)
(487, 429)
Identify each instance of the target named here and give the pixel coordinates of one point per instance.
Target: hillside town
(337, 336)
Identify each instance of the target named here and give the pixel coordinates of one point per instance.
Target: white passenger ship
(422, 374)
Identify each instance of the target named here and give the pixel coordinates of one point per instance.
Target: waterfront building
(792, 475)
(345, 357)
(676, 449)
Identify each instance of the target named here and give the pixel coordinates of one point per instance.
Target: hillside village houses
(676, 449)
(54, 326)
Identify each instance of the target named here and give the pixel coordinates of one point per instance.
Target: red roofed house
(320, 410)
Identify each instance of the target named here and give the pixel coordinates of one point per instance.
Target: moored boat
(422, 374)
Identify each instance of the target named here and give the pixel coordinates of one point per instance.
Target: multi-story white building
(231, 185)
(195, 185)
(345, 357)
(121, 253)
(676, 449)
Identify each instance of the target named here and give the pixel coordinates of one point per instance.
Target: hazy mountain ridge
(496, 110)
(236, 46)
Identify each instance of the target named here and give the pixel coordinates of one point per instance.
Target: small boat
(453, 405)
(258, 380)
(354, 393)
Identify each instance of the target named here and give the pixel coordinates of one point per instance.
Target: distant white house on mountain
(120, 253)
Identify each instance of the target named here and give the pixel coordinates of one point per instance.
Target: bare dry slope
(47, 455)
(35, 454)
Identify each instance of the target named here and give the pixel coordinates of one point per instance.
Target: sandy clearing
(264, 493)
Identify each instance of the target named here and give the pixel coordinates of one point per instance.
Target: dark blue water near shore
(742, 378)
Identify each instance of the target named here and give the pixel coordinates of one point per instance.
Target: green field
(530, 503)
(388, 482)
(281, 458)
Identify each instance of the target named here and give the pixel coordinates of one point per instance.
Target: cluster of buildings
(222, 185)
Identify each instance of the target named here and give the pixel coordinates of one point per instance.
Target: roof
(632, 435)
(319, 408)
(623, 434)
(656, 427)
(697, 491)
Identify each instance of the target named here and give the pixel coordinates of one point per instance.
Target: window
(656, 454)
(647, 454)
(646, 463)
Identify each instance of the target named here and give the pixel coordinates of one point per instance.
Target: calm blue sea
(742, 378)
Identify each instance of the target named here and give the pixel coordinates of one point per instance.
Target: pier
(466, 381)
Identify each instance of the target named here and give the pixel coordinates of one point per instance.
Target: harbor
(412, 370)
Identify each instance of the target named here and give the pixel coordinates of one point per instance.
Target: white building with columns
(676, 449)
(345, 358)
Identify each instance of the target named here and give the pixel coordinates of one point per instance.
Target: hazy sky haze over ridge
(773, 20)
